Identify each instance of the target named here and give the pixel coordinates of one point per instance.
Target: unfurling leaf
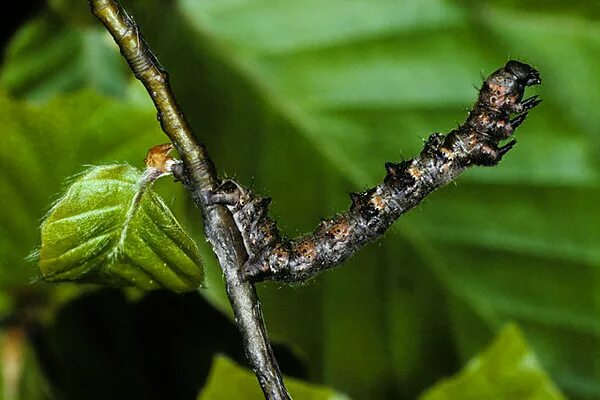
(110, 228)
(508, 369)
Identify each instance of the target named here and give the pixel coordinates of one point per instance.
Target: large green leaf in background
(55, 53)
(228, 380)
(307, 100)
(506, 370)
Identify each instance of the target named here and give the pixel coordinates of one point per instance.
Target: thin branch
(444, 157)
(12, 348)
(199, 176)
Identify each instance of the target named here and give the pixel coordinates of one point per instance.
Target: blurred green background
(305, 101)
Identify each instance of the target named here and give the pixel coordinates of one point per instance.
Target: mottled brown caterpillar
(476, 142)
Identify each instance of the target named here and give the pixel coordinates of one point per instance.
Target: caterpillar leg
(229, 193)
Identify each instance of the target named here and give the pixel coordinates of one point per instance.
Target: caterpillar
(443, 158)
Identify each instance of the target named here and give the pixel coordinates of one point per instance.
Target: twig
(199, 176)
(12, 347)
(444, 157)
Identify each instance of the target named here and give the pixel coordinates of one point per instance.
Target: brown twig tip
(158, 158)
(499, 110)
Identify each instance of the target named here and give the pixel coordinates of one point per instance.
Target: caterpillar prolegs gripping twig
(499, 110)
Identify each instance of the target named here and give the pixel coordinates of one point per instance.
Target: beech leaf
(229, 381)
(109, 228)
(49, 55)
(507, 369)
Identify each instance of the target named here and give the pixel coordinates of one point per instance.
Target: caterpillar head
(503, 90)
(523, 73)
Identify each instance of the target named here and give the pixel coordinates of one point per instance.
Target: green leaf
(507, 369)
(229, 381)
(306, 101)
(51, 141)
(49, 55)
(110, 228)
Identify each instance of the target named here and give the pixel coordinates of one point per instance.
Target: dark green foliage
(306, 101)
(506, 370)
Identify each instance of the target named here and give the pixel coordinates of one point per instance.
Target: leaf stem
(149, 176)
(199, 176)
